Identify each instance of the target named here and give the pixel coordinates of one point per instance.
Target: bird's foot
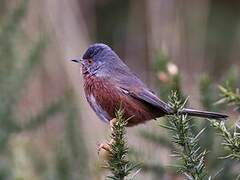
(104, 151)
(112, 123)
(105, 146)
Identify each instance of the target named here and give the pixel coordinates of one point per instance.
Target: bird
(109, 84)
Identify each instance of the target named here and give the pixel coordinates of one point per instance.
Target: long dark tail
(204, 114)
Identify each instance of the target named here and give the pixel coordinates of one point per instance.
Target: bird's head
(99, 59)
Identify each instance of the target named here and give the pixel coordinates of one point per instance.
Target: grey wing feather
(129, 83)
(149, 97)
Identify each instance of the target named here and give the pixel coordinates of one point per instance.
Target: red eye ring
(90, 61)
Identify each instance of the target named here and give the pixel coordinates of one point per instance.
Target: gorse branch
(118, 163)
(229, 96)
(231, 140)
(187, 147)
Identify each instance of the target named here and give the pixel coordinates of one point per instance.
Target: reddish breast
(104, 93)
(110, 99)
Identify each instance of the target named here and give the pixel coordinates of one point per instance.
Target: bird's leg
(104, 149)
(104, 146)
(112, 123)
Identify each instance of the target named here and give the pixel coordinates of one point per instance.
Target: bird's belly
(106, 99)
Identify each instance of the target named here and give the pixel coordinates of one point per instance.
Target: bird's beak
(77, 60)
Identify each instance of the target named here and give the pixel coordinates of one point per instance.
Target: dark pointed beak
(76, 60)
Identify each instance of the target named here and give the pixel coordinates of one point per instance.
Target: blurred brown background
(198, 36)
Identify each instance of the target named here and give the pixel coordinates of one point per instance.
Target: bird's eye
(90, 61)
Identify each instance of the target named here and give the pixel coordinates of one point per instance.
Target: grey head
(100, 60)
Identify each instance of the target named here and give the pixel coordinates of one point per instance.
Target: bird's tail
(204, 114)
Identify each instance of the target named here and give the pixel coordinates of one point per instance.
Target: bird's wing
(148, 97)
(131, 85)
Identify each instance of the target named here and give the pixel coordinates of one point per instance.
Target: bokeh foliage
(212, 99)
(16, 69)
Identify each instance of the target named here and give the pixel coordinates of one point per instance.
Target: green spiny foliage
(231, 140)
(187, 144)
(229, 96)
(209, 140)
(118, 164)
